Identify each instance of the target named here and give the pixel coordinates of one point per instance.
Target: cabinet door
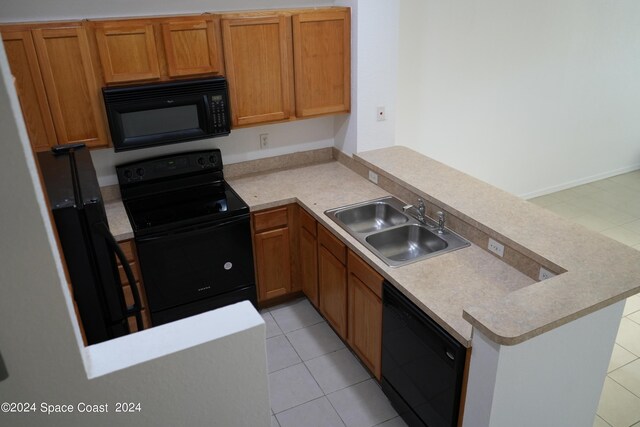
(23, 61)
(309, 265)
(127, 51)
(332, 280)
(192, 46)
(272, 263)
(322, 56)
(365, 313)
(258, 62)
(70, 81)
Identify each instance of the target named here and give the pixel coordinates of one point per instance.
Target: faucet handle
(441, 221)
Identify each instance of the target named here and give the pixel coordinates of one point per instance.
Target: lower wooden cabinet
(128, 248)
(365, 312)
(332, 280)
(293, 251)
(308, 256)
(273, 238)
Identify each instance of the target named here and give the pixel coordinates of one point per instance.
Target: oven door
(198, 263)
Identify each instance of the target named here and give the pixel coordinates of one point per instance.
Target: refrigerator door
(77, 208)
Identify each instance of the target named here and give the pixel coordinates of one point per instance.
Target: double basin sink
(393, 235)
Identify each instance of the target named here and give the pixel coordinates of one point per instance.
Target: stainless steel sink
(406, 242)
(371, 217)
(392, 235)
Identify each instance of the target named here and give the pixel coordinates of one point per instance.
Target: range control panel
(174, 165)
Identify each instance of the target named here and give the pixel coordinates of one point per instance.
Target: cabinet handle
(450, 355)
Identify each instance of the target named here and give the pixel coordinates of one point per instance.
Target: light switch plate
(545, 274)
(373, 177)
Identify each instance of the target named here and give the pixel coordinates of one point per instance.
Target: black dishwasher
(422, 365)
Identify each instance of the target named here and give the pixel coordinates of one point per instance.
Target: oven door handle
(187, 231)
(103, 230)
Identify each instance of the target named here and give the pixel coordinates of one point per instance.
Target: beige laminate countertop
(468, 286)
(441, 286)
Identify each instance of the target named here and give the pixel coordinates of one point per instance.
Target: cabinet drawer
(365, 273)
(308, 222)
(128, 295)
(127, 248)
(270, 219)
(333, 245)
(123, 276)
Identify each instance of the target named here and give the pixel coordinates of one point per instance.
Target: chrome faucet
(441, 221)
(421, 209)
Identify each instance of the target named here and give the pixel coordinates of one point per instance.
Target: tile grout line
(614, 380)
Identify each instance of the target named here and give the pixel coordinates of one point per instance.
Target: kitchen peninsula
(494, 305)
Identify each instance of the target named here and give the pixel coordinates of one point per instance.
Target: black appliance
(422, 365)
(165, 113)
(192, 234)
(89, 248)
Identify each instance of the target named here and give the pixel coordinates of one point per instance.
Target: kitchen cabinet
(322, 54)
(127, 49)
(272, 243)
(128, 247)
(23, 60)
(57, 84)
(158, 49)
(308, 253)
(71, 84)
(332, 280)
(365, 312)
(259, 65)
(192, 46)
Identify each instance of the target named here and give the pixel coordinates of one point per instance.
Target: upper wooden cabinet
(127, 50)
(322, 52)
(259, 65)
(71, 84)
(159, 49)
(265, 55)
(23, 60)
(192, 46)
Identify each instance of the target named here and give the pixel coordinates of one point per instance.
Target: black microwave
(165, 113)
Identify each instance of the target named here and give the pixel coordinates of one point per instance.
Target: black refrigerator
(89, 248)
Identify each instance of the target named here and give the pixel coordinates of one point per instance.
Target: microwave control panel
(218, 112)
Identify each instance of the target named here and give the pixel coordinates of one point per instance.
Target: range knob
(213, 159)
(140, 171)
(201, 161)
(127, 173)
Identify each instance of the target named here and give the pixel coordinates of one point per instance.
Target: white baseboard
(580, 181)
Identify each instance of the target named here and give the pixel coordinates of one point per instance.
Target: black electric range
(192, 234)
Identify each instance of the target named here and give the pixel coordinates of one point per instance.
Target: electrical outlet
(373, 177)
(496, 247)
(264, 140)
(545, 274)
(381, 115)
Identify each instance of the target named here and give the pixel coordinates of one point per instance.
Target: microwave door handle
(102, 228)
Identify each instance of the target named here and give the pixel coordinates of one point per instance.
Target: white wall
(374, 70)
(38, 10)
(554, 379)
(529, 96)
(207, 382)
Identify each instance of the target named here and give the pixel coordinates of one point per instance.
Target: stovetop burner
(175, 191)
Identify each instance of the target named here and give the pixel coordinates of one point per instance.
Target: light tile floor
(314, 380)
(612, 207)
